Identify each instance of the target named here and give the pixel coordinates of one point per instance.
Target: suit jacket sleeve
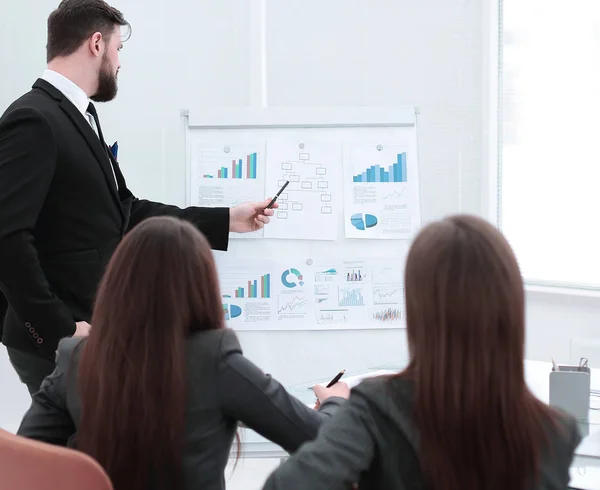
(262, 404)
(48, 419)
(27, 163)
(212, 222)
(344, 450)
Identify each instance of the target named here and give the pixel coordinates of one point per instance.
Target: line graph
(296, 304)
(326, 275)
(395, 195)
(386, 295)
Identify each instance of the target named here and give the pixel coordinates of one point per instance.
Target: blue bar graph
(351, 297)
(395, 172)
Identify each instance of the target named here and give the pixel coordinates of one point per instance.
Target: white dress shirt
(78, 97)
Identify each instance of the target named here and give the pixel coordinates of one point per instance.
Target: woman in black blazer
(156, 391)
(461, 416)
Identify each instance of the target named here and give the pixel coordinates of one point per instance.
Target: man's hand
(82, 329)
(250, 216)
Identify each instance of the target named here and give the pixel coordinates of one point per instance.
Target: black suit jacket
(61, 218)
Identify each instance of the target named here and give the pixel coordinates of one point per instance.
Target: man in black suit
(64, 203)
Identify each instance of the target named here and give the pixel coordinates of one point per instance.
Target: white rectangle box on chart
(307, 207)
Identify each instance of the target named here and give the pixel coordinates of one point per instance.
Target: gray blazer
(223, 388)
(372, 441)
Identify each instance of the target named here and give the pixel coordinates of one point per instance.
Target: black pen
(275, 198)
(336, 379)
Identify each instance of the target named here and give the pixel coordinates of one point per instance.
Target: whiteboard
(343, 269)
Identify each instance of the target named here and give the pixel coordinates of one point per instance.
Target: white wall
(205, 53)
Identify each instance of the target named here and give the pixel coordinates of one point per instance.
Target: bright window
(549, 128)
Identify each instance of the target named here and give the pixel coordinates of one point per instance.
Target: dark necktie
(92, 110)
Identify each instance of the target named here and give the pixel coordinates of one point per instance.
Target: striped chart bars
(252, 289)
(376, 173)
(240, 169)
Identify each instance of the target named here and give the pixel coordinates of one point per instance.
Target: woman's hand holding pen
(340, 390)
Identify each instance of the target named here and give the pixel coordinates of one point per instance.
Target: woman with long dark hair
(154, 394)
(460, 416)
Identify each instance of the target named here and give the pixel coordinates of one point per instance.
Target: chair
(31, 465)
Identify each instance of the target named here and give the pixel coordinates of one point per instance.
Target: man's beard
(107, 84)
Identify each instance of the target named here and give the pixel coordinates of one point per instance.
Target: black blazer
(223, 387)
(61, 218)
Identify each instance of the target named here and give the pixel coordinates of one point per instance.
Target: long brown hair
(160, 286)
(479, 425)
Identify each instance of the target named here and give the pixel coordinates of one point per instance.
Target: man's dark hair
(74, 21)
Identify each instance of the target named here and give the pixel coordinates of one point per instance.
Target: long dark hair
(479, 425)
(160, 286)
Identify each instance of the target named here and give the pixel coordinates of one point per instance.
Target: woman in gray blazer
(460, 417)
(156, 391)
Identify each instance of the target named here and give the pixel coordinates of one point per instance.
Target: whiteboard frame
(341, 117)
(303, 118)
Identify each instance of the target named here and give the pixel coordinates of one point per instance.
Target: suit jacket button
(27, 324)
(36, 335)
(31, 329)
(40, 340)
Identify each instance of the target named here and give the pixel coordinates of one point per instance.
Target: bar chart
(388, 315)
(355, 276)
(240, 168)
(377, 173)
(256, 288)
(351, 297)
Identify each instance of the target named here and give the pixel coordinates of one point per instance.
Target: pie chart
(231, 311)
(292, 278)
(362, 221)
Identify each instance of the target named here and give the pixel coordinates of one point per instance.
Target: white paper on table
(353, 381)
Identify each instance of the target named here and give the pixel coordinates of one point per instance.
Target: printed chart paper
(381, 192)
(290, 295)
(308, 207)
(352, 293)
(227, 175)
(267, 295)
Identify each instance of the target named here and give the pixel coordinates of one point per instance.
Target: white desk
(537, 377)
